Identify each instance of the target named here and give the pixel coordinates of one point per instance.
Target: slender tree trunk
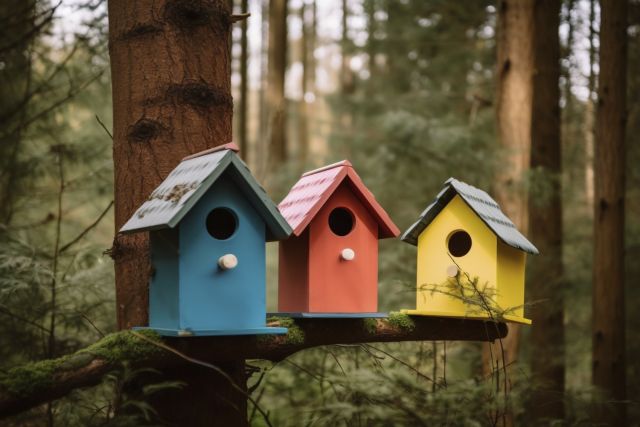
(608, 372)
(347, 79)
(276, 101)
(545, 219)
(371, 46)
(303, 130)
(513, 119)
(170, 67)
(243, 111)
(262, 139)
(589, 111)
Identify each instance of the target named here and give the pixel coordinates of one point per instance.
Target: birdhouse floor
(307, 315)
(214, 332)
(435, 313)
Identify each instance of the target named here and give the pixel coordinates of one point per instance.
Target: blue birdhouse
(208, 223)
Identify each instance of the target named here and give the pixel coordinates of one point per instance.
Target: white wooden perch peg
(452, 271)
(228, 261)
(347, 254)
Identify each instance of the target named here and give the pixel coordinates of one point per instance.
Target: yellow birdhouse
(471, 257)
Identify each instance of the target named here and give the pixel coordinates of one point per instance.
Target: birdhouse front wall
(436, 289)
(336, 283)
(511, 268)
(222, 224)
(293, 274)
(164, 310)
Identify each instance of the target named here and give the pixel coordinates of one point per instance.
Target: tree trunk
(608, 368)
(371, 46)
(243, 111)
(589, 113)
(513, 118)
(347, 80)
(207, 397)
(276, 102)
(303, 130)
(545, 219)
(262, 139)
(16, 35)
(170, 67)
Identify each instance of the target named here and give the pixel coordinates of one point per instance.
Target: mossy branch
(32, 384)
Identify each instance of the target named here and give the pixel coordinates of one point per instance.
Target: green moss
(24, 380)
(31, 377)
(125, 345)
(295, 335)
(401, 321)
(370, 325)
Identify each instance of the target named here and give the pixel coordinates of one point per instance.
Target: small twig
(85, 317)
(104, 127)
(239, 17)
(23, 319)
(86, 230)
(402, 362)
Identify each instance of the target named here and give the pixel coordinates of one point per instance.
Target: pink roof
(314, 188)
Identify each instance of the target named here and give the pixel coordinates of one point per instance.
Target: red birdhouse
(329, 265)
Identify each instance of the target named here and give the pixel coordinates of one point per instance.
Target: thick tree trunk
(170, 67)
(276, 102)
(207, 398)
(608, 262)
(545, 219)
(16, 35)
(243, 113)
(513, 118)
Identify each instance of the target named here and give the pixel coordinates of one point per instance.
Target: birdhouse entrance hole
(459, 243)
(341, 221)
(222, 223)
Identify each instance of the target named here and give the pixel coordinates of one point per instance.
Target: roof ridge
(228, 146)
(345, 163)
(482, 205)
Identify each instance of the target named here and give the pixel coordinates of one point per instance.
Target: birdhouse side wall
(293, 274)
(163, 287)
(511, 268)
(337, 285)
(210, 296)
(436, 291)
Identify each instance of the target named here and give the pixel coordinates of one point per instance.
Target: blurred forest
(408, 91)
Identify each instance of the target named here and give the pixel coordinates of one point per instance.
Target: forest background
(408, 92)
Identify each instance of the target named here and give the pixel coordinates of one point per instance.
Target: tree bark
(276, 101)
(545, 219)
(88, 367)
(513, 119)
(608, 370)
(243, 111)
(170, 68)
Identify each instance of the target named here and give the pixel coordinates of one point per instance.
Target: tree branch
(27, 386)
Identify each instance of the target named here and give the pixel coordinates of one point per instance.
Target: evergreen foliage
(420, 112)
